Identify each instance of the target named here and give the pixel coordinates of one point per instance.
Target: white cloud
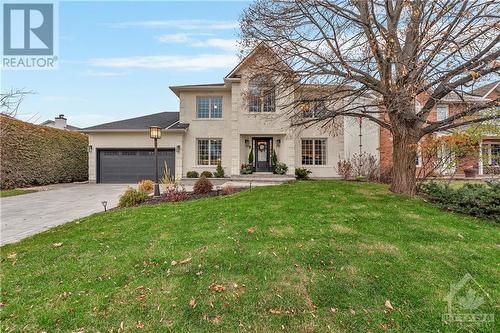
(180, 24)
(179, 62)
(105, 74)
(230, 45)
(174, 38)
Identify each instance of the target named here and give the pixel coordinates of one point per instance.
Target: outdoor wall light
(155, 134)
(247, 143)
(178, 148)
(278, 142)
(89, 148)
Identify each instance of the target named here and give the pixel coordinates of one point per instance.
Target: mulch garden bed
(193, 196)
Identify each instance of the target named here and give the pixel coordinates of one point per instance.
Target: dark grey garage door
(132, 165)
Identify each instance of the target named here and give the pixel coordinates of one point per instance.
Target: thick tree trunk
(404, 157)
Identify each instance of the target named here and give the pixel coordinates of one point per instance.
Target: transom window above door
(209, 107)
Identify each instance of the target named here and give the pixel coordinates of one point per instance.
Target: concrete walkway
(24, 215)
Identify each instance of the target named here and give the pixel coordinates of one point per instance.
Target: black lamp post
(155, 133)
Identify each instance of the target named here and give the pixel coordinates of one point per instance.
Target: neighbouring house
(227, 122)
(487, 163)
(60, 122)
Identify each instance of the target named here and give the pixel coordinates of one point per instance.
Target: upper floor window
(418, 107)
(316, 109)
(261, 95)
(209, 107)
(442, 112)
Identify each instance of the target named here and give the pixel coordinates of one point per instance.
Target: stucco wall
(132, 140)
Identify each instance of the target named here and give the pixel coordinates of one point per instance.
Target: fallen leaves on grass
(12, 255)
(251, 230)
(289, 312)
(388, 305)
(185, 261)
(215, 320)
(57, 244)
(217, 287)
(192, 303)
(139, 325)
(352, 311)
(333, 310)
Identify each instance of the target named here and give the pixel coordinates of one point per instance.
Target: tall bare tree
(381, 55)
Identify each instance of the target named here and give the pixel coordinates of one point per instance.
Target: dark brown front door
(263, 150)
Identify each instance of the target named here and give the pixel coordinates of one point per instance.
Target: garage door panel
(131, 166)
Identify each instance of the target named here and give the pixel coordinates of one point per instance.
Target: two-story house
(238, 117)
(224, 122)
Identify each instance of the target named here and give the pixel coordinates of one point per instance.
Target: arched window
(261, 95)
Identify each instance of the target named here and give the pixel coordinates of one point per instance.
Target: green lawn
(320, 256)
(11, 193)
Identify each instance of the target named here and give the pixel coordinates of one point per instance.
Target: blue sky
(117, 59)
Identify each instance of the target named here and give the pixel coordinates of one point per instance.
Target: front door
(263, 151)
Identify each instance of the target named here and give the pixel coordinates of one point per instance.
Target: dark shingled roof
(163, 119)
(482, 91)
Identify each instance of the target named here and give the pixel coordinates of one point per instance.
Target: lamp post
(155, 133)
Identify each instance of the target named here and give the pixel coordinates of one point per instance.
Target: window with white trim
(208, 107)
(441, 112)
(261, 95)
(209, 151)
(313, 151)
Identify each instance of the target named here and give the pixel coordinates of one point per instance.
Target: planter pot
(470, 173)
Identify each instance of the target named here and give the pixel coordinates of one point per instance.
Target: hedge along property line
(39, 155)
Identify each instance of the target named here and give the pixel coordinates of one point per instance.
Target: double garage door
(132, 165)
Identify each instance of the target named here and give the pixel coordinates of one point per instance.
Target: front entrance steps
(262, 177)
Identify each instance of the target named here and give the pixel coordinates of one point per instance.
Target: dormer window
(208, 107)
(441, 112)
(261, 95)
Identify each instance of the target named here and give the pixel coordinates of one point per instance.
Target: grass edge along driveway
(14, 192)
(307, 256)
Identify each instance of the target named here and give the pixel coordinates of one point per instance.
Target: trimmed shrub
(146, 185)
(250, 156)
(192, 174)
(40, 155)
(281, 168)
(206, 174)
(274, 158)
(302, 173)
(246, 169)
(132, 197)
(472, 199)
(219, 172)
(174, 194)
(202, 186)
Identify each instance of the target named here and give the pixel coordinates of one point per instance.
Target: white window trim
(444, 106)
(210, 103)
(209, 153)
(314, 153)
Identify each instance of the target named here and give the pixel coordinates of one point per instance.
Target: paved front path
(29, 214)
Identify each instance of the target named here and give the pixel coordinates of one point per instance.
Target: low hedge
(472, 199)
(39, 155)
